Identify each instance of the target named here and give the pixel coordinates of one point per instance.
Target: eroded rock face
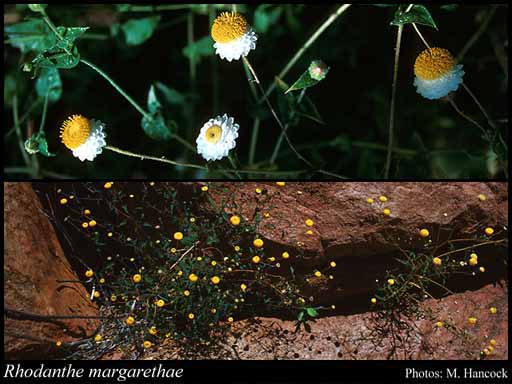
(357, 235)
(352, 337)
(33, 264)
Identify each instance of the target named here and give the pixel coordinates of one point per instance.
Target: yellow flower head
(98, 338)
(193, 278)
(280, 183)
(424, 232)
(113, 298)
(85, 225)
(235, 220)
(63, 201)
(369, 200)
(243, 287)
(160, 303)
(472, 320)
(332, 264)
(391, 281)
(439, 324)
(186, 292)
(178, 236)
(285, 255)
(433, 63)
(437, 261)
(92, 223)
(318, 273)
(473, 261)
(256, 259)
(152, 331)
(383, 199)
(258, 243)
(386, 211)
(130, 320)
(137, 278)
(204, 188)
(492, 342)
(215, 279)
(489, 231)
(58, 343)
(107, 185)
(481, 197)
(493, 310)
(87, 212)
(75, 131)
(96, 294)
(373, 300)
(230, 319)
(228, 26)
(258, 190)
(147, 344)
(310, 222)
(89, 273)
(191, 316)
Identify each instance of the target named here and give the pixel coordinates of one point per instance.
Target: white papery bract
(440, 87)
(94, 144)
(217, 137)
(238, 48)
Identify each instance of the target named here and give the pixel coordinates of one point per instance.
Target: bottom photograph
(255, 270)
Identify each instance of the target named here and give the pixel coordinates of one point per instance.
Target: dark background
(353, 100)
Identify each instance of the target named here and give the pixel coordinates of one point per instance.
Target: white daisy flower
(217, 137)
(83, 136)
(437, 74)
(233, 36)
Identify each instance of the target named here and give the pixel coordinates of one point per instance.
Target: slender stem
(491, 123)
(146, 157)
(45, 107)
(151, 8)
(18, 129)
(233, 164)
(254, 140)
(118, 88)
(306, 45)
(459, 111)
(251, 69)
(215, 67)
(393, 97)
(280, 140)
(184, 142)
(420, 35)
(477, 34)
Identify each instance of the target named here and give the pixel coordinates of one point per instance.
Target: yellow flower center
(433, 63)
(228, 26)
(75, 131)
(213, 134)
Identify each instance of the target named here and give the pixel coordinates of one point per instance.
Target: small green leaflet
(49, 82)
(138, 31)
(155, 126)
(37, 144)
(312, 312)
(199, 48)
(313, 75)
(418, 14)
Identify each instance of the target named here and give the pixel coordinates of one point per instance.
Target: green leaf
(449, 7)
(198, 49)
(312, 312)
(313, 75)
(32, 35)
(138, 31)
(171, 95)
(417, 14)
(37, 144)
(156, 127)
(265, 18)
(69, 35)
(153, 103)
(49, 82)
(300, 317)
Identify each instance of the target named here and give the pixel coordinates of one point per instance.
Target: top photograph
(256, 91)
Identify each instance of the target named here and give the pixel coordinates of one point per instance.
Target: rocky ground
(348, 230)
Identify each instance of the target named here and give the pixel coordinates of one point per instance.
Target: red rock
(33, 264)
